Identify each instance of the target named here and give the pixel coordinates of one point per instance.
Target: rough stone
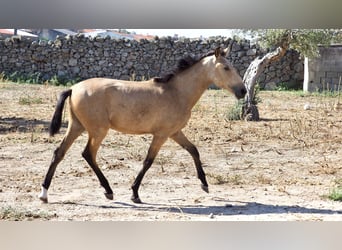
(82, 57)
(270, 86)
(72, 62)
(251, 52)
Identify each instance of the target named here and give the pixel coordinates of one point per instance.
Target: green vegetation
(14, 214)
(20, 78)
(28, 100)
(288, 86)
(218, 179)
(236, 112)
(336, 192)
(60, 80)
(36, 78)
(304, 41)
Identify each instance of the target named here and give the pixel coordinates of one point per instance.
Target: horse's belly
(131, 125)
(146, 125)
(148, 116)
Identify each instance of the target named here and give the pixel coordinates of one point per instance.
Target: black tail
(56, 121)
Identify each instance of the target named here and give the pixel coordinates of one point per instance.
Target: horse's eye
(226, 68)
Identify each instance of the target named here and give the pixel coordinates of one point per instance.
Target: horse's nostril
(243, 91)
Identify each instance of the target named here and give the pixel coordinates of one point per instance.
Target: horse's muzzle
(240, 92)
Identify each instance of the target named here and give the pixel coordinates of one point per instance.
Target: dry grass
(291, 152)
(19, 214)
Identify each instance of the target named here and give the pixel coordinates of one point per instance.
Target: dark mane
(182, 65)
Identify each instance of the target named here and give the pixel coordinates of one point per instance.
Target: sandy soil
(281, 168)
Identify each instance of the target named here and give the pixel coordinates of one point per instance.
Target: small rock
(307, 106)
(72, 62)
(338, 106)
(234, 150)
(251, 52)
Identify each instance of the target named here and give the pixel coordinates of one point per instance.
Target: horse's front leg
(155, 146)
(181, 139)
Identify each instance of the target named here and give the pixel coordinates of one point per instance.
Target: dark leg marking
(181, 139)
(87, 155)
(155, 146)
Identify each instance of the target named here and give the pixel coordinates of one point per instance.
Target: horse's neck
(191, 84)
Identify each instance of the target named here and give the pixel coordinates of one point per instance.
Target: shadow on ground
(19, 124)
(230, 208)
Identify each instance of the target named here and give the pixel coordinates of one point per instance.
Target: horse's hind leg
(75, 129)
(89, 155)
(181, 139)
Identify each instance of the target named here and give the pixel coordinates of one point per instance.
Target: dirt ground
(280, 168)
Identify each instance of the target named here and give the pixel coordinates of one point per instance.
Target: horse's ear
(218, 52)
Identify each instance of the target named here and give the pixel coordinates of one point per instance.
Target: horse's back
(93, 85)
(130, 107)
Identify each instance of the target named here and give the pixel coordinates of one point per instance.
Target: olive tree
(304, 41)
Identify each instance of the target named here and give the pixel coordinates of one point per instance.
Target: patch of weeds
(2, 77)
(134, 77)
(256, 97)
(217, 179)
(199, 107)
(37, 78)
(62, 80)
(163, 159)
(326, 93)
(336, 193)
(137, 153)
(288, 86)
(263, 179)
(13, 214)
(282, 87)
(299, 93)
(235, 112)
(34, 78)
(236, 179)
(29, 100)
(239, 110)
(55, 80)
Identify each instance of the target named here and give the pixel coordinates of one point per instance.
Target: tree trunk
(250, 110)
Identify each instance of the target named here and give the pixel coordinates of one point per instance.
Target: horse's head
(226, 76)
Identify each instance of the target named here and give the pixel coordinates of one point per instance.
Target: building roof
(113, 34)
(10, 32)
(104, 33)
(65, 31)
(87, 32)
(139, 37)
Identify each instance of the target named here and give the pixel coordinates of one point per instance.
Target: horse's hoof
(43, 195)
(205, 188)
(109, 196)
(136, 200)
(43, 199)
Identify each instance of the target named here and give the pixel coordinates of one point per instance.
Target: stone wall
(78, 57)
(324, 73)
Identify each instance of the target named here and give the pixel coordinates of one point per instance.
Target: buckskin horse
(160, 106)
